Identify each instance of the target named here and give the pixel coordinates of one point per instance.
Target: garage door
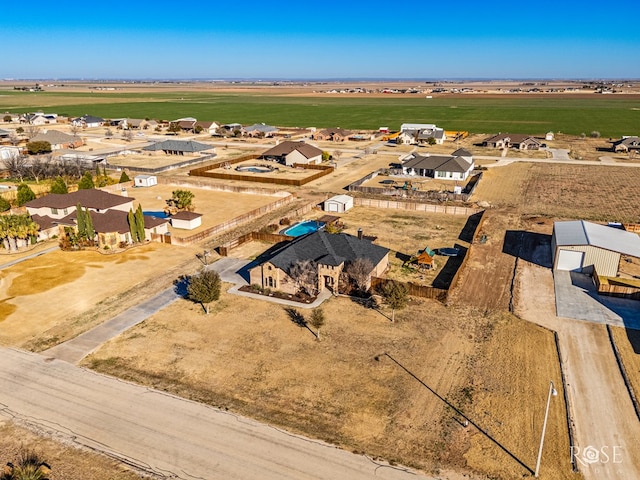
(333, 207)
(569, 260)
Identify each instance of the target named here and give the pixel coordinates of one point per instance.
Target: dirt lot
(594, 192)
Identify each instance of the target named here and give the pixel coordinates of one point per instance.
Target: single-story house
(39, 118)
(580, 246)
(420, 133)
(627, 144)
(512, 140)
(457, 166)
(87, 121)
(330, 253)
(332, 135)
(186, 220)
(178, 147)
(207, 127)
(338, 203)
(260, 129)
(58, 140)
(145, 180)
(289, 153)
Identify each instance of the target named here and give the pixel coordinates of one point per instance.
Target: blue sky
(311, 40)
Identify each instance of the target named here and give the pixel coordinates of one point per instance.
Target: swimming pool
(302, 228)
(159, 214)
(254, 169)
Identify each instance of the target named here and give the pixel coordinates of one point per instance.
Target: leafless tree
(359, 270)
(304, 273)
(37, 167)
(31, 131)
(15, 165)
(127, 135)
(74, 129)
(13, 138)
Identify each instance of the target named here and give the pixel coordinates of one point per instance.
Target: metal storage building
(580, 246)
(338, 203)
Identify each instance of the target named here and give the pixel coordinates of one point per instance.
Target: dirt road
(606, 428)
(162, 434)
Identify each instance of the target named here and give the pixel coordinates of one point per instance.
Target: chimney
(360, 234)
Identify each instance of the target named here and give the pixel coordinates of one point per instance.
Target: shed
(338, 203)
(145, 180)
(186, 220)
(580, 246)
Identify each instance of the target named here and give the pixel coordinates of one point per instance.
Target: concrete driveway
(233, 270)
(577, 297)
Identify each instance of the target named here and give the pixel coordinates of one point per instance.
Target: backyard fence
(614, 287)
(413, 289)
(416, 206)
(274, 238)
(164, 168)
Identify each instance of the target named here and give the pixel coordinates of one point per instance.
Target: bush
(285, 221)
(35, 148)
(4, 204)
(595, 134)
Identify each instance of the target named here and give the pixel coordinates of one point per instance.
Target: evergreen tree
(86, 182)
(81, 222)
(124, 177)
(132, 226)
(24, 194)
(204, 288)
(90, 232)
(140, 223)
(59, 186)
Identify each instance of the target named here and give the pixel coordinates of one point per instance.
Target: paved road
(163, 434)
(600, 406)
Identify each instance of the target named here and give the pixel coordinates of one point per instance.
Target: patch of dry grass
(66, 462)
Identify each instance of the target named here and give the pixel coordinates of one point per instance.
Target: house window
(270, 282)
(441, 174)
(65, 211)
(54, 211)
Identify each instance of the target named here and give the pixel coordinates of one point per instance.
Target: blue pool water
(160, 214)
(303, 228)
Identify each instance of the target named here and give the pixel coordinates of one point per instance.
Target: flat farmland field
(611, 115)
(589, 192)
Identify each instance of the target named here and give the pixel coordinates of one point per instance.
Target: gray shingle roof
(178, 146)
(326, 249)
(441, 163)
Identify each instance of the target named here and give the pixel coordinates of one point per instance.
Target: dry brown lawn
(53, 297)
(215, 206)
(248, 356)
(66, 462)
(628, 342)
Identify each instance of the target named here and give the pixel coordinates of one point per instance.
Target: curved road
(162, 434)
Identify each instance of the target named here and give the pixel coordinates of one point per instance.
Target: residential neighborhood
(350, 286)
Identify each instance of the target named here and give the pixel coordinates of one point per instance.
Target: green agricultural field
(611, 115)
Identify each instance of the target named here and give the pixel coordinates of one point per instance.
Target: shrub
(4, 204)
(595, 134)
(285, 221)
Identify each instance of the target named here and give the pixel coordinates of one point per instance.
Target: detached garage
(580, 246)
(339, 203)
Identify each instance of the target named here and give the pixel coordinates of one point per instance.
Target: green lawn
(611, 115)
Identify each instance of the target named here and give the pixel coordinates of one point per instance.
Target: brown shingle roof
(185, 215)
(91, 198)
(285, 148)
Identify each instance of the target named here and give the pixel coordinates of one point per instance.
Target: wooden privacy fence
(222, 227)
(205, 171)
(614, 287)
(417, 206)
(274, 238)
(422, 291)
